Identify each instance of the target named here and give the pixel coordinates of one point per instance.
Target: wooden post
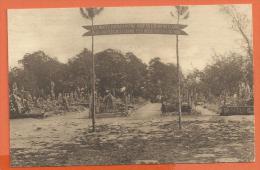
(126, 104)
(178, 75)
(93, 110)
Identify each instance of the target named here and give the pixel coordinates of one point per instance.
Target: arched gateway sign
(132, 28)
(135, 28)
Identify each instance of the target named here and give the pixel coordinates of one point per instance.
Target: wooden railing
(237, 110)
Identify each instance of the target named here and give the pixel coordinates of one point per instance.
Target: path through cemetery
(148, 111)
(142, 137)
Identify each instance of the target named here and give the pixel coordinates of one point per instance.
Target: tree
(224, 76)
(136, 74)
(181, 12)
(241, 24)
(38, 70)
(16, 76)
(90, 13)
(114, 70)
(111, 71)
(161, 79)
(194, 86)
(79, 70)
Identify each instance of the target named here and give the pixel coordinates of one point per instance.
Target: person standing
(163, 106)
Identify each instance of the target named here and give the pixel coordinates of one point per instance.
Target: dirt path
(205, 111)
(148, 111)
(35, 133)
(145, 135)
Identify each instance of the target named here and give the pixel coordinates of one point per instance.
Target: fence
(236, 110)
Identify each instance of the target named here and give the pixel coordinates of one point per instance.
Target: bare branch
(239, 24)
(172, 14)
(187, 15)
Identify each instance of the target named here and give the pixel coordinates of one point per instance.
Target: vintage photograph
(131, 85)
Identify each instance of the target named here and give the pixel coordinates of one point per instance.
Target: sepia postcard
(131, 85)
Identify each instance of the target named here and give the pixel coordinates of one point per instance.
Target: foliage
(180, 12)
(90, 13)
(115, 70)
(223, 77)
(79, 70)
(38, 70)
(161, 79)
(241, 24)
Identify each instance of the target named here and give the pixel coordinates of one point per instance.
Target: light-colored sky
(58, 32)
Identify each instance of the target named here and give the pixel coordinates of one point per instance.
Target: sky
(58, 32)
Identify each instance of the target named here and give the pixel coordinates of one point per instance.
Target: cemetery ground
(142, 137)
